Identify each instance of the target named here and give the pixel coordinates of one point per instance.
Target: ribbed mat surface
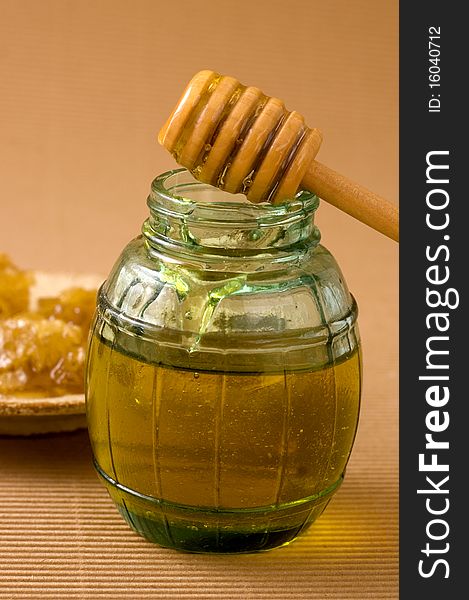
(61, 536)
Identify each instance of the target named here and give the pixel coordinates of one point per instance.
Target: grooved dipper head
(236, 138)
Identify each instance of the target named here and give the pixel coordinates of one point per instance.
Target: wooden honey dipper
(236, 138)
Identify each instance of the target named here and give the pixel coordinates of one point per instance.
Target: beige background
(84, 87)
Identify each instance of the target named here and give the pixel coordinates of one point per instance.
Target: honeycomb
(42, 351)
(14, 288)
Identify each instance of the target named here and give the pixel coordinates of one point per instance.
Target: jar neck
(192, 222)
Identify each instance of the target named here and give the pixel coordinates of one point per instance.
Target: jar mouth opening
(179, 193)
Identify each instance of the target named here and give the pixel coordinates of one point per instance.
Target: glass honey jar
(224, 371)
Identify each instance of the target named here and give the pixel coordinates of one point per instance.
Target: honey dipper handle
(357, 201)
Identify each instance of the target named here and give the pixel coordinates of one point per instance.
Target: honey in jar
(223, 372)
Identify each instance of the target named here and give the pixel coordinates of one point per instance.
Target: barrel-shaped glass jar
(224, 371)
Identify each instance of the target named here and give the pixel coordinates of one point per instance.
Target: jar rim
(174, 189)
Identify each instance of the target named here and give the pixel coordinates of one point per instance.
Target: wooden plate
(28, 416)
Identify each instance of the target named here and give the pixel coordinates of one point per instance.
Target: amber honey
(221, 461)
